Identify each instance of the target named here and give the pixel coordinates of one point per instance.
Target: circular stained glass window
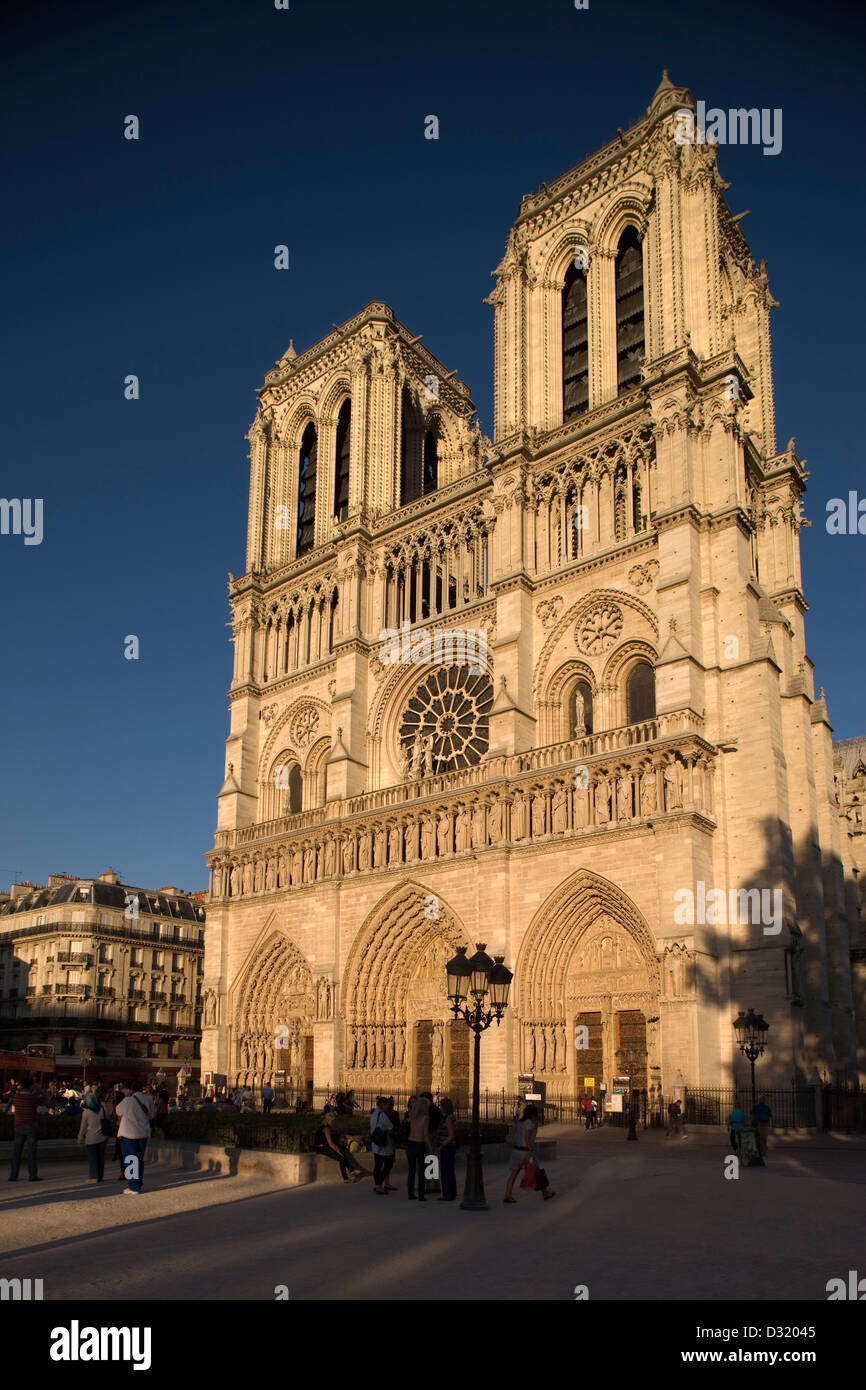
(452, 707)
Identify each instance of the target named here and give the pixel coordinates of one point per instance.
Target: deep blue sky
(305, 127)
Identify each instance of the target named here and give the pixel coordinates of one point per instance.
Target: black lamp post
(627, 1059)
(751, 1030)
(476, 977)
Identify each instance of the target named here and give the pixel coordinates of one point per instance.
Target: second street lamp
(477, 977)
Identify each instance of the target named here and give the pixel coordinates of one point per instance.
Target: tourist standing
(587, 1110)
(418, 1146)
(267, 1097)
(447, 1144)
(25, 1103)
(737, 1119)
(382, 1145)
(674, 1112)
(593, 1112)
(91, 1134)
(762, 1119)
(136, 1113)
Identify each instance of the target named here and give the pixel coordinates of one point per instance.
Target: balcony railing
(74, 958)
(157, 997)
(136, 996)
(105, 991)
(10, 928)
(73, 991)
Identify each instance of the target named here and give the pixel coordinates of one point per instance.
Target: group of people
(426, 1129)
(125, 1113)
(762, 1122)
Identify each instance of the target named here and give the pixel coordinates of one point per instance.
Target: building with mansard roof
(92, 966)
(548, 691)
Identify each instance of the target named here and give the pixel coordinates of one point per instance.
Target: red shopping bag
(528, 1179)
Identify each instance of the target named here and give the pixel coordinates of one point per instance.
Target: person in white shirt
(136, 1116)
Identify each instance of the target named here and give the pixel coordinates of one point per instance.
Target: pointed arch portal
(399, 1026)
(588, 961)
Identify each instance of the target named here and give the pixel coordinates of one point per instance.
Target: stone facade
(548, 692)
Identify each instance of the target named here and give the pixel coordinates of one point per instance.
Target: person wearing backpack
(382, 1144)
(136, 1113)
(94, 1132)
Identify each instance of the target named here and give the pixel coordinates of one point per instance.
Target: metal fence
(793, 1107)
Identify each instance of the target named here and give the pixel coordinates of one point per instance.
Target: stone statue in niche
(352, 1048)
(428, 756)
(417, 756)
(443, 834)
(438, 1056)
(623, 796)
(381, 846)
(602, 801)
(560, 811)
(673, 793)
(462, 830)
(209, 1009)
(235, 880)
(309, 864)
(495, 821)
(428, 838)
(648, 792)
(405, 763)
(348, 854)
(579, 714)
(297, 867)
(518, 817)
(395, 844)
(479, 829)
(530, 1049)
(259, 878)
(581, 808)
(539, 815)
(412, 829)
(271, 874)
(330, 856)
(362, 1047)
(364, 852)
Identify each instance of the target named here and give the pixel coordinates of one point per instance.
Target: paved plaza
(651, 1220)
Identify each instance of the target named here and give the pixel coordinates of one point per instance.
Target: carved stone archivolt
(273, 1011)
(395, 976)
(588, 949)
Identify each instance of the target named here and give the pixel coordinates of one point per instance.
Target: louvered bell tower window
(575, 345)
(629, 311)
(341, 469)
(307, 491)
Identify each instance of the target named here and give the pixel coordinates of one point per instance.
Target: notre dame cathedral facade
(548, 692)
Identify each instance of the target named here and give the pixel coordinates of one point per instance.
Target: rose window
(452, 707)
(598, 629)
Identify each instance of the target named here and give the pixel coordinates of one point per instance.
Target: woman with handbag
(523, 1159)
(94, 1131)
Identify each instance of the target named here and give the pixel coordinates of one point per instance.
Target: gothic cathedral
(549, 693)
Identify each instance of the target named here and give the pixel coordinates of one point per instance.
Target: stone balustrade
(570, 789)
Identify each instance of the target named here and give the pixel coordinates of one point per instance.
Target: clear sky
(155, 257)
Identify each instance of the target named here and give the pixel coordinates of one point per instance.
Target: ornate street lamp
(477, 977)
(751, 1030)
(628, 1059)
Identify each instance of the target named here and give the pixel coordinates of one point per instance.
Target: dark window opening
(307, 491)
(431, 463)
(341, 469)
(641, 693)
(412, 451)
(629, 311)
(575, 345)
(296, 790)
